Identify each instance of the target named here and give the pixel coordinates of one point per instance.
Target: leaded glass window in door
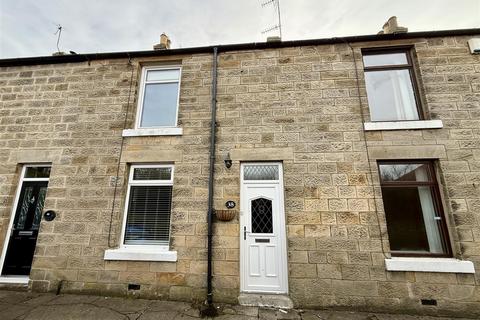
(261, 172)
(262, 220)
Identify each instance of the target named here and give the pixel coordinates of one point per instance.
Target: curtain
(403, 97)
(428, 210)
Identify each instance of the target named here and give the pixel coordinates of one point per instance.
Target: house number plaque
(230, 204)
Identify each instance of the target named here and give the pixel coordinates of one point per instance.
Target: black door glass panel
(37, 172)
(262, 220)
(39, 208)
(26, 202)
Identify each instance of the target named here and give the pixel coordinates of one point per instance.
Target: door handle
(245, 233)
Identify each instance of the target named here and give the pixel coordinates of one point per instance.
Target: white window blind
(149, 206)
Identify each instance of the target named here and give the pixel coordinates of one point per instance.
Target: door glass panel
(260, 172)
(39, 208)
(262, 221)
(27, 201)
(37, 172)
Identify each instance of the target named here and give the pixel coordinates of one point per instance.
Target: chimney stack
(391, 26)
(164, 43)
(274, 39)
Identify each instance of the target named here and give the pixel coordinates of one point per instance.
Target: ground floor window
(148, 205)
(415, 219)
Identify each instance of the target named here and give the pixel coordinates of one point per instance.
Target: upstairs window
(159, 95)
(391, 88)
(415, 220)
(149, 204)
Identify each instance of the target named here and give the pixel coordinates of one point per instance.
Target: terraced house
(340, 172)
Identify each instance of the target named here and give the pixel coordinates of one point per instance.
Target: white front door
(263, 253)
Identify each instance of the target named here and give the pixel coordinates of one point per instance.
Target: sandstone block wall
(300, 102)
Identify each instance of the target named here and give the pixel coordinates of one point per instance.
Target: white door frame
(15, 205)
(282, 232)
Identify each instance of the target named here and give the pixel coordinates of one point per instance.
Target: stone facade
(298, 105)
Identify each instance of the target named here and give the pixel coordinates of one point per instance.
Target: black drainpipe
(210, 211)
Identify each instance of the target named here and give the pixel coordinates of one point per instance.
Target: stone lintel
(407, 152)
(262, 154)
(150, 154)
(35, 156)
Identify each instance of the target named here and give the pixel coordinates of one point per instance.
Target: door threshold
(265, 300)
(15, 279)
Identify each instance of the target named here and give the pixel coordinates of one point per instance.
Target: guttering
(72, 58)
(210, 210)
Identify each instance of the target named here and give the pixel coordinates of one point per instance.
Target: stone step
(265, 300)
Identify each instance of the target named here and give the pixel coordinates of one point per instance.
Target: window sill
(14, 280)
(173, 131)
(403, 125)
(140, 254)
(429, 265)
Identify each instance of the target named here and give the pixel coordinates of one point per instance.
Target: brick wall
(301, 102)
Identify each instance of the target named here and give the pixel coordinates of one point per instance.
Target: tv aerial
(274, 5)
(59, 33)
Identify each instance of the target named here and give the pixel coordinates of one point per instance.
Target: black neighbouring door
(23, 237)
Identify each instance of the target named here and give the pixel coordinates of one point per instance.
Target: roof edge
(41, 60)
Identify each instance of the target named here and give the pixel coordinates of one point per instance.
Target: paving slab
(16, 305)
(158, 315)
(73, 299)
(15, 312)
(72, 312)
(122, 305)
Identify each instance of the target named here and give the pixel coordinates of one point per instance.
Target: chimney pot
(164, 43)
(391, 26)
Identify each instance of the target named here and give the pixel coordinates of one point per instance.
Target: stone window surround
(430, 181)
(419, 264)
(423, 122)
(159, 131)
(140, 252)
(415, 75)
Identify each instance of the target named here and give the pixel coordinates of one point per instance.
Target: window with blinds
(149, 205)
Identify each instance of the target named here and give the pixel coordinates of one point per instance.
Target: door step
(265, 300)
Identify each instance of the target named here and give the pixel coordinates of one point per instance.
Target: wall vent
(429, 302)
(133, 286)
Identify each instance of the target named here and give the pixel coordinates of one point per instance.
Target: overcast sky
(27, 27)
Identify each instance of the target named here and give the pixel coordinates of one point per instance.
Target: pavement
(29, 306)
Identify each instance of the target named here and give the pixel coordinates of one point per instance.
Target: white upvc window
(148, 206)
(158, 100)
